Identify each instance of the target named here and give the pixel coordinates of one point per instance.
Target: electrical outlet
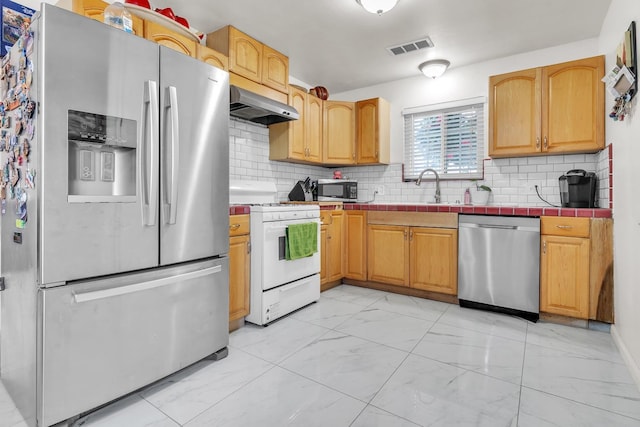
(380, 190)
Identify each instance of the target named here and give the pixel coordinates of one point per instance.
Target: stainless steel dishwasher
(499, 264)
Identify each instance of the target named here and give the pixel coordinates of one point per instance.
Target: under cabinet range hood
(259, 109)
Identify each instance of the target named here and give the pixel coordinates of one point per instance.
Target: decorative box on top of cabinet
(548, 110)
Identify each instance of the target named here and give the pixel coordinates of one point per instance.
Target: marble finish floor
(361, 357)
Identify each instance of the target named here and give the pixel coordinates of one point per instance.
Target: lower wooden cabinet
(355, 241)
(417, 257)
(433, 259)
(564, 276)
(331, 247)
(239, 266)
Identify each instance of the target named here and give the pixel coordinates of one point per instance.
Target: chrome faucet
(437, 197)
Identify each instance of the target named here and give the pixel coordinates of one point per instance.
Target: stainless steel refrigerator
(114, 233)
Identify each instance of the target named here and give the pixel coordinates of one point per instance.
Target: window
(449, 140)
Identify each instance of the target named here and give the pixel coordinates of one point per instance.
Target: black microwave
(343, 190)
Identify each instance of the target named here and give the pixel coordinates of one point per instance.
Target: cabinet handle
(538, 143)
(376, 154)
(329, 237)
(248, 247)
(234, 227)
(564, 227)
(411, 235)
(544, 247)
(545, 143)
(405, 234)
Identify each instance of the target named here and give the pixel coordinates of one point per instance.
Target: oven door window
(276, 270)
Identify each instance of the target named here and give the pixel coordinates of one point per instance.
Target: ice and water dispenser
(102, 158)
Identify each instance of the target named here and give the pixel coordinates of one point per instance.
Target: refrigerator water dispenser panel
(102, 158)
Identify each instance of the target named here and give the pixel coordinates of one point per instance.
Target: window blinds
(448, 140)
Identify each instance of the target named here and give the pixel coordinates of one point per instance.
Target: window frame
(479, 103)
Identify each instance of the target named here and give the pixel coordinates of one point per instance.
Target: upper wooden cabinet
(373, 131)
(251, 59)
(94, 9)
(338, 133)
(212, 57)
(299, 140)
(165, 37)
(548, 110)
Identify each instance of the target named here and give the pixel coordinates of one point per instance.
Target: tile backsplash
(512, 180)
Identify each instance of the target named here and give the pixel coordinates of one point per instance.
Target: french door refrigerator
(114, 233)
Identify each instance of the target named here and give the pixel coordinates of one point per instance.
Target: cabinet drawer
(563, 226)
(325, 218)
(238, 225)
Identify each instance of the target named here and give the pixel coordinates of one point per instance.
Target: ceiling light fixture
(377, 6)
(434, 68)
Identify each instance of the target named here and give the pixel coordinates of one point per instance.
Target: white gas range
(278, 286)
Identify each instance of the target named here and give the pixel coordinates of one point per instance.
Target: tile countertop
(483, 210)
(480, 210)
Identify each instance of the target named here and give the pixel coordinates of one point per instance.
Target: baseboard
(626, 355)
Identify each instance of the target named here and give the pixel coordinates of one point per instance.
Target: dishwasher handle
(498, 226)
(502, 227)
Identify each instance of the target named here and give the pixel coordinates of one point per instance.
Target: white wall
(626, 149)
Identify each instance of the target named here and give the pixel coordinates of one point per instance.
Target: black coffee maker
(578, 189)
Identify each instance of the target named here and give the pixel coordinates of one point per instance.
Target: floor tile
(354, 294)
(411, 306)
(9, 414)
(277, 341)
(376, 417)
(384, 327)
(539, 409)
(349, 364)
(600, 383)
(282, 398)
(486, 354)
(132, 411)
(431, 393)
(327, 312)
(486, 322)
(590, 343)
(190, 392)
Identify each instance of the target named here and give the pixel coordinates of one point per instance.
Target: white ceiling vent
(412, 46)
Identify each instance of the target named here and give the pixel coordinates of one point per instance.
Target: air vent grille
(412, 46)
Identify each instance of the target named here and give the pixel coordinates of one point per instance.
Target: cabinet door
(212, 57)
(514, 113)
(245, 55)
(564, 276)
(434, 259)
(388, 249)
(165, 37)
(313, 128)
(239, 276)
(573, 106)
(324, 259)
(275, 69)
(297, 150)
(338, 136)
(373, 131)
(356, 245)
(335, 247)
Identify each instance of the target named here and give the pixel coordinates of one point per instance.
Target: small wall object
(621, 81)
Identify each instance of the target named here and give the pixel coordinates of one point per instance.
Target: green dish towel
(302, 240)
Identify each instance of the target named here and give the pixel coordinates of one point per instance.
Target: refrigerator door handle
(174, 135)
(81, 297)
(147, 159)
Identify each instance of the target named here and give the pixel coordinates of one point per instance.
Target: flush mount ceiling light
(434, 68)
(377, 6)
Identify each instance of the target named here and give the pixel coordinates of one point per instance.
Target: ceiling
(337, 44)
